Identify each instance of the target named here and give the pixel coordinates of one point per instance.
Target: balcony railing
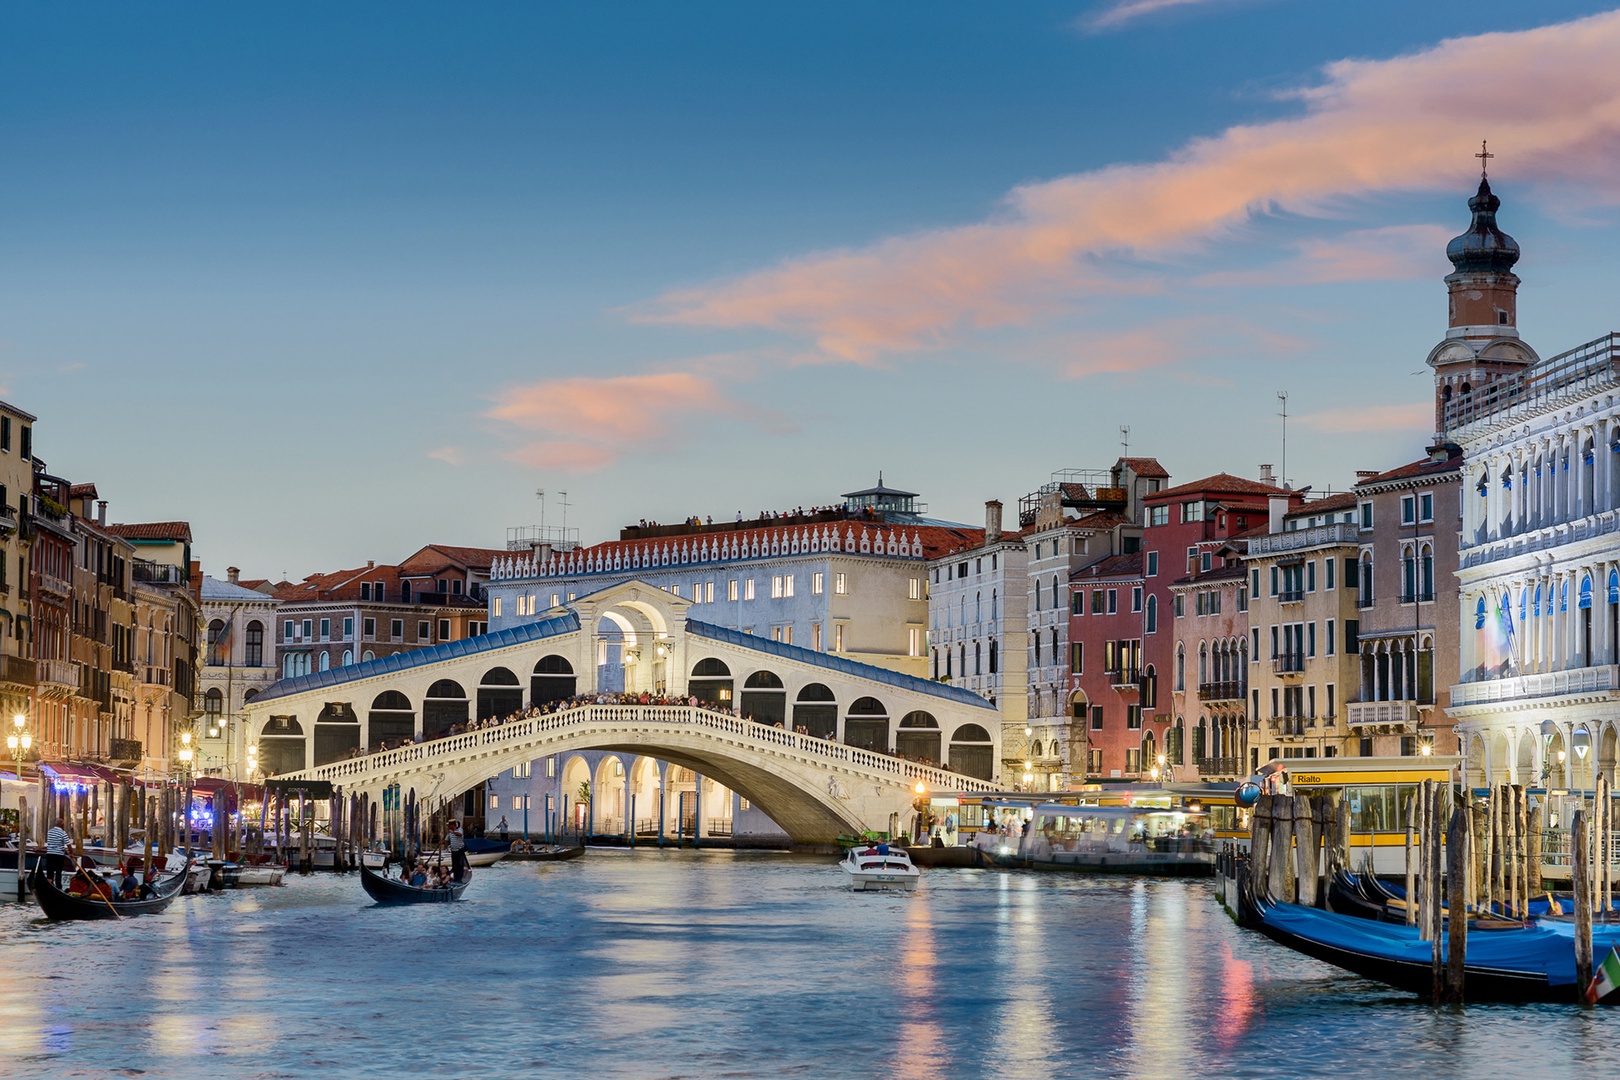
(1547, 684)
(1340, 533)
(1291, 596)
(1365, 600)
(1402, 714)
(58, 672)
(1288, 664)
(156, 675)
(124, 750)
(1425, 597)
(18, 670)
(1232, 690)
(155, 573)
(1124, 678)
(1217, 766)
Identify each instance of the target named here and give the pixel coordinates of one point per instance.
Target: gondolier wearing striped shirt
(458, 851)
(56, 845)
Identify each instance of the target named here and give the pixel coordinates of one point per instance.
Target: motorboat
(1114, 839)
(480, 852)
(386, 890)
(13, 887)
(880, 866)
(528, 852)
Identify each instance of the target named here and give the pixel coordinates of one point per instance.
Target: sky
(333, 282)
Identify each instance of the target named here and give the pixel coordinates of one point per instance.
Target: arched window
(253, 644)
(1479, 614)
(1181, 667)
(217, 647)
(214, 705)
(348, 657)
(993, 657)
(1585, 600)
(1364, 597)
(1152, 620)
(326, 661)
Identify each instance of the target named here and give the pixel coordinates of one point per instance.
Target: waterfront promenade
(681, 964)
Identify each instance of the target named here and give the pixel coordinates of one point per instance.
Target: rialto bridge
(821, 744)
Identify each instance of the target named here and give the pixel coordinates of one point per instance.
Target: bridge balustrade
(527, 727)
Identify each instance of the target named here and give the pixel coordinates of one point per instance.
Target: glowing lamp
(19, 720)
(185, 738)
(920, 788)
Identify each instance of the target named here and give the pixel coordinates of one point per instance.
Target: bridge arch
(444, 706)
(337, 733)
(973, 751)
(764, 698)
(552, 680)
(867, 724)
(576, 801)
(815, 711)
(918, 737)
(499, 693)
(281, 745)
(711, 681)
(390, 720)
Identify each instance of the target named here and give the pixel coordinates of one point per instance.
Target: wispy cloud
(586, 423)
(450, 455)
(1117, 14)
(1392, 253)
(1549, 100)
(1353, 420)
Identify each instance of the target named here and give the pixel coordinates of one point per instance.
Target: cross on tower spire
(1484, 156)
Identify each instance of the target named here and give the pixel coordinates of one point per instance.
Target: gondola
(545, 852)
(61, 905)
(385, 890)
(1534, 962)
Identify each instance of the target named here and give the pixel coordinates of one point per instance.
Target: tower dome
(1484, 247)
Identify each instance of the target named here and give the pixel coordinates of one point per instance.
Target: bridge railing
(685, 716)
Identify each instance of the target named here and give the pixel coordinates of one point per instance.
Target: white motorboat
(260, 875)
(880, 866)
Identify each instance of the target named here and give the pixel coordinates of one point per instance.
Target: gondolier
(56, 845)
(457, 846)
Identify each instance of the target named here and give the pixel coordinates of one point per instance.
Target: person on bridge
(457, 845)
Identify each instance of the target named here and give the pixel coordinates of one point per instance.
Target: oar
(78, 871)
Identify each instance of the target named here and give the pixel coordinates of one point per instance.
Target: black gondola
(385, 890)
(60, 905)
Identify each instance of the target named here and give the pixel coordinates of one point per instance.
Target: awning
(78, 772)
(314, 789)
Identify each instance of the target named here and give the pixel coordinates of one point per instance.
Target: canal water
(715, 964)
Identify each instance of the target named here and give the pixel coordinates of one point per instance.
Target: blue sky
(332, 284)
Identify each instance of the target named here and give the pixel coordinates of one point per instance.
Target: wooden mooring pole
(1411, 866)
(1457, 858)
(1582, 896)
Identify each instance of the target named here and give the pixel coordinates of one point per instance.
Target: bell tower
(1482, 347)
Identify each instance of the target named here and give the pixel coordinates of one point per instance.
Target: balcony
(156, 573)
(124, 750)
(1284, 727)
(1288, 664)
(1221, 691)
(1124, 678)
(1588, 680)
(1387, 717)
(64, 673)
(1211, 768)
(52, 583)
(18, 670)
(1365, 601)
(1276, 543)
(1291, 596)
(155, 675)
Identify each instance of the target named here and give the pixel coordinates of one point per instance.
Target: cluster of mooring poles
(1298, 842)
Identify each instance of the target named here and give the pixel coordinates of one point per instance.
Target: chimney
(370, 563)
(1279, 507)
(992, 521)
(101, 512)
(1365, 474)
(233, 575)
(1265, 475)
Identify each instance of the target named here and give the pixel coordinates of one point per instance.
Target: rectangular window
(818, 584)
(675, 590)
(1310, 702)
(1097, 602)
(731, 590)
(1242, 598)
(396, 630)
(365, 590)
(25, 448)
(1310, 576)
(1330, 703)
(1153, 564)
(1408, 510)
(1254, 585)
(444, 629)
(1206, 561)
(494, 802)
(308, 629)
(1330, 629)
(1327, 573)
(1179, 605)
(1158, 515)
(1273, 581)
(1133, 716)
(551, 767)
(748, 589)
(1426, 507)
(555, 599)
(1096, 718)
(326, 629)
(840, 585)
(697, 592)
(1136, 598)
(495, 608)
(348, 628)
(1192, 511)
(423, 631)
(5, 433)
(1310, 639)
(913, 590)
(369, 628)
(914, 645)
(1077, 602)
(838, 637)
(1366, 516)
(1113, 601)
(287, 630)
(708, 594)
(815, 637)
(787, 585)
(1077, 657)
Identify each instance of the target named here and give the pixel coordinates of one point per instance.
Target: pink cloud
(1117, 14)
(450, 455)
(1548, 99)
(1414, 417)
(589, 423)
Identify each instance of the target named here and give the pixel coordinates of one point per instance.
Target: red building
(1122, 624)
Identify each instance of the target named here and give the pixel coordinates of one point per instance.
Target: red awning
(78, 772)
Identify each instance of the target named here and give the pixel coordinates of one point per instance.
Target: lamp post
(19, 741)
(185, 755)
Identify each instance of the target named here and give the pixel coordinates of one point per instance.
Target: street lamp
(19, 741)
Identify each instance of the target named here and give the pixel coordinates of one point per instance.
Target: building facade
(977, 598)
(18, 675)
(1209, 678)
(238, 663)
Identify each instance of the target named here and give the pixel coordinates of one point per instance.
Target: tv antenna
(1282, 401)
(540, 493)
(1125, 439)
